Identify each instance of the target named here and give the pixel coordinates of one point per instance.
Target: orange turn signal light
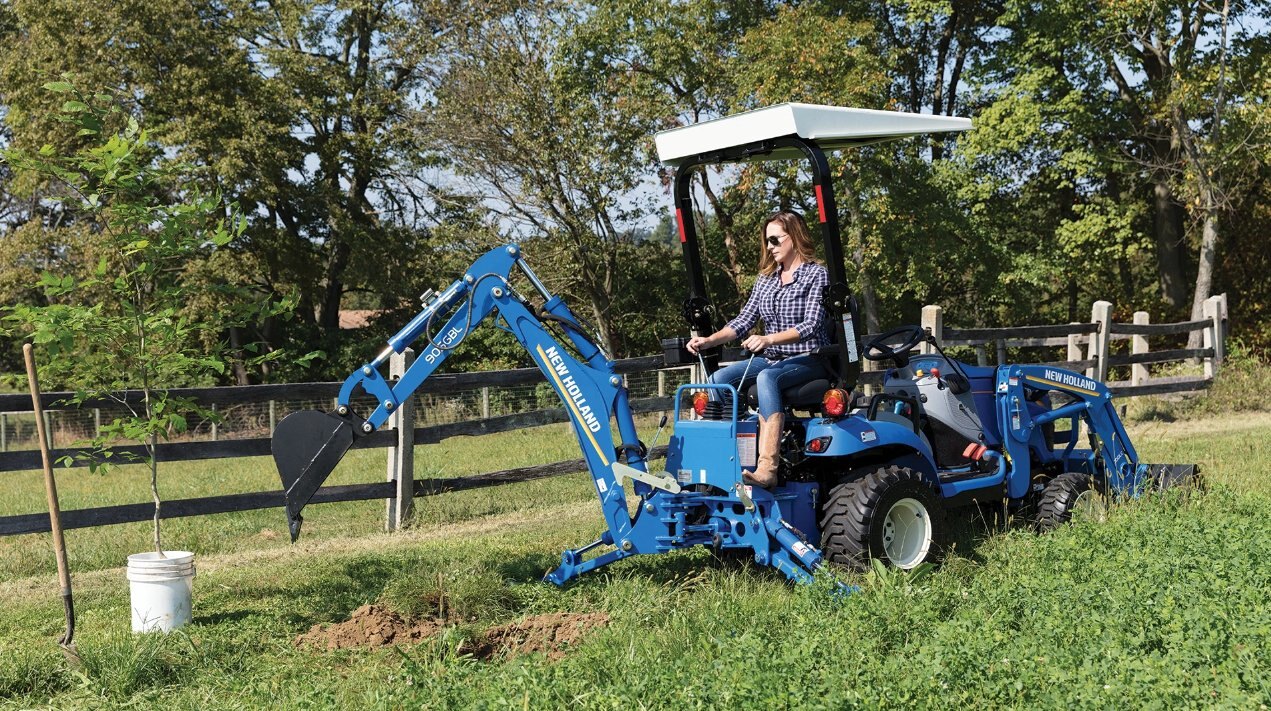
(834, 403)
(700, 398)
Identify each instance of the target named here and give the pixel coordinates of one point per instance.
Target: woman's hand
(698, 343)
(756, 344)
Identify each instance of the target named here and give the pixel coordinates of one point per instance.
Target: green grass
(1164, 605)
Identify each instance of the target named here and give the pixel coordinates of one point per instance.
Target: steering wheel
(878, 350)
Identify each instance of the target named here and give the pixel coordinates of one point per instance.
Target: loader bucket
(307, 445)
(1170, 476)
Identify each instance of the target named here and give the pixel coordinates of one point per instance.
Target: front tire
(1069, 496)
(892, 514)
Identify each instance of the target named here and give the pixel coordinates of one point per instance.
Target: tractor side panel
(858, 439)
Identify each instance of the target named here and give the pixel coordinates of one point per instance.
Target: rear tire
(892, 514)
(1071, 495)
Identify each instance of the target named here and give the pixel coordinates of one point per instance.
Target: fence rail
(1088, 348)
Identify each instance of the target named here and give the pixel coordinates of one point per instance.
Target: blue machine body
(701, 498)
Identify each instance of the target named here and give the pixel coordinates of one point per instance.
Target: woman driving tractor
(787, 296)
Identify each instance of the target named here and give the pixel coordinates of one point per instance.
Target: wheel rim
(1089, 506)
(906, 533)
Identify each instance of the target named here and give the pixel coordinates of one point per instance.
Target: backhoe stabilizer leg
(572, 564)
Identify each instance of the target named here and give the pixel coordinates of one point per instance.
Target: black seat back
(806, 396)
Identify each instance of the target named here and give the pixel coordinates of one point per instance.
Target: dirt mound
(370, 626)
(552, 634)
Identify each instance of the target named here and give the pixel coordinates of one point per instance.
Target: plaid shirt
(795, 305)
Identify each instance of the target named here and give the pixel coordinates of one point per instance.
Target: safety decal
(684, 476)
(747, 449)
(800, 548)
(600, 484)
(869, 436)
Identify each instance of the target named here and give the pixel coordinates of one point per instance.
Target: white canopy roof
(832, 127)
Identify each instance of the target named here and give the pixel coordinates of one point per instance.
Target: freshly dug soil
(370, 626)
(373, 626)
(552, 634)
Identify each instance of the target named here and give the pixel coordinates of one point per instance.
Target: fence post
(1074, 345)
(273, 416)
(982, 355)
(1212, 310)
(661, 383)
(1001, 351)
(215, 429)
(868, 366)
(1100, 313)
(1138, 345)
(401, 456)
(1222, 332)
(485, 402)
(933, 320)
(48, 427)
(4, 432)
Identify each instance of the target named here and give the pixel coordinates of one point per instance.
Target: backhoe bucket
(307, 445)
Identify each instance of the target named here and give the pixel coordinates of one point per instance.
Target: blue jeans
(771, 377)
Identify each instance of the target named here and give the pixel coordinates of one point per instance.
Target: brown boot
(769, 452)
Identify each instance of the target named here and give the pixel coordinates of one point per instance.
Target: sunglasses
(774, 240)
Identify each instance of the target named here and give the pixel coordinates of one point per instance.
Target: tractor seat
(807, 396)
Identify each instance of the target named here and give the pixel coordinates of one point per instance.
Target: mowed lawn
(1164, 605)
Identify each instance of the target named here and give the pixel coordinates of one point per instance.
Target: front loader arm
(1092, 405)
(308, 445)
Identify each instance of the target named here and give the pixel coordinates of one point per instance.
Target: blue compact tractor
(861, 477)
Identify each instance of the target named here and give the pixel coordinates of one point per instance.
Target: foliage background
(375, 146)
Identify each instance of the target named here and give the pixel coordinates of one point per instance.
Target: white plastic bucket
(162, 590)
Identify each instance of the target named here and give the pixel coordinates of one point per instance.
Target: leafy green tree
(546, 145)
(1130, 99)
(674, 61)
(305, 112)
(132, 321)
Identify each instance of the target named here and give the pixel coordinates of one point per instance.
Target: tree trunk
(333, 288)
(727, 226)
(1204, 273)
(236, 348)
(1167, 230)
(1210, 186)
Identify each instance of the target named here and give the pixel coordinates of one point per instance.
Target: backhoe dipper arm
(593, 395)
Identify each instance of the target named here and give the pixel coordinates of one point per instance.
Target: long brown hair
(796, 228)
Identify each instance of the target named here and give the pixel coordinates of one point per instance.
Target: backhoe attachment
(717, 510)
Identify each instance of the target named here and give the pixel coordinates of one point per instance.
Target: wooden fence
(1089, 348)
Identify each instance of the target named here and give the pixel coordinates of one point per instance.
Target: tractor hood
(739, 137)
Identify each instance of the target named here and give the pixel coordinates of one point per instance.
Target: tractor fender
(858, 441)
